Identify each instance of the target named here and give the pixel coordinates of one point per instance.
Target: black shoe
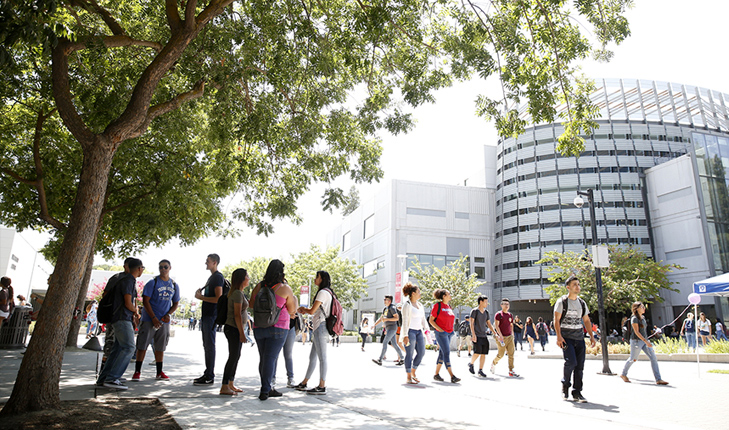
(399, 362)
(470, 369)
(274, 393)
(202, 381)
(455, 379)
(565, 393)
(377, 362)
(317, 390)
(481, 374)
(300, 387)
(438, 378)
(578, 397)
(263, 396)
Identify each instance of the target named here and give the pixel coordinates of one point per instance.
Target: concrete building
(656, 165)
(22, 263)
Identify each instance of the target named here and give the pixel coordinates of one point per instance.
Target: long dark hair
(326, 280)
(274, 274)
(237, 279)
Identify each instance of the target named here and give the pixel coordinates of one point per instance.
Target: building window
(15, 258)
(346, 240)
(461, 215)
(369, 268)
(479, 260)
(426, 212)
(369, 227)
(480, 272)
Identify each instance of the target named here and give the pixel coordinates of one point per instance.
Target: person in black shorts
(479, 320)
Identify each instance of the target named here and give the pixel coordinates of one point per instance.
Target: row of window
(543, 191)
(596, 137)
(558, 224)
(548, 208)
(552, 243)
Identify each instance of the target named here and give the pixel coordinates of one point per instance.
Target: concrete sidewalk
(361, 394)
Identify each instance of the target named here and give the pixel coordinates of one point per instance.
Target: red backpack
(335, 320)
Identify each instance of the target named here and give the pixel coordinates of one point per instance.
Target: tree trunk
(36, 386)
(72, 339)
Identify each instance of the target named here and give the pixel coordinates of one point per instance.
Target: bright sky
(671, 41)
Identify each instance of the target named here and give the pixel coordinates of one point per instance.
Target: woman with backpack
(413, 326)
(518, 328)
(273, 302)
(234, 329)
(720, 335)
(442, 318)
(531, 333)
(319, 335)
(689, 328)
(639, 342)
(542, 332)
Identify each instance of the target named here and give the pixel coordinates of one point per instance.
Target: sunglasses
(164, 267)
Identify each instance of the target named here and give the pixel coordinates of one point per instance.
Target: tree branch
(39, 184)
(126, 203)
(109, 20)
(190, 13)
(114, 42)
(62, 95)
(173, 16)
(197, 91)
(16, 176)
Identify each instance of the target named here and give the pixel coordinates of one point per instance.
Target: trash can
(15, 331)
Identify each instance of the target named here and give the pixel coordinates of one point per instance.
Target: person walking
(570, 315)
(271, 339)
(639, 341)
(364, 331)
(320, 335)
(464, 335)
(704, 325)
(442, 318)
(518, 329)
(209, 294)
(92, 324)
(689, 329)
(720, 335)
(503, 321)
(234, 329)
(412, 336)
(479, 320)
(389, 318)
(160, 298)
(531, 333)
(542, 332)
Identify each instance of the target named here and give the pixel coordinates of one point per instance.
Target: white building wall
(23, 264)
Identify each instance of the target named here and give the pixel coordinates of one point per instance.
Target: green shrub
(718, 347)
(670, 346)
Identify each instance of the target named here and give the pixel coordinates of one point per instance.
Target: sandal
(411, 382)
(417, 381)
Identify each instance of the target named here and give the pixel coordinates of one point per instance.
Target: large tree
(456, 277)
(254, 94)
(632, 276)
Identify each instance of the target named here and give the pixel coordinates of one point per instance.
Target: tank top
(690, 326)
(284, 319)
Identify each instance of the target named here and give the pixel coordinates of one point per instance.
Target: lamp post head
(578, 201)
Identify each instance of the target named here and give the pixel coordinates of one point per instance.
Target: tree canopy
(454, 277)
(632, 276)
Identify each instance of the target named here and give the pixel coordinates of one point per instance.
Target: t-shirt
(215, 280)
(390, 312)
(162, 294)
(641, 327)
(320, 316)
(704, 325)
(571, 326)
(480, 321)
(719, 327)
(236, 297)
(416, 317)
(445, 318)
(505, 320)
(91, 317)
(125, 285)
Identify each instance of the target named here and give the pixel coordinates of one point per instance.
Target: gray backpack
(265, 310)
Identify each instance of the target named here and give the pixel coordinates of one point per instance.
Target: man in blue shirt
(160, 298)
(125, 310)
(209, 295)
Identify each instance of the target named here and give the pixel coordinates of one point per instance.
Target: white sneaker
(493, 368)
(115, 384)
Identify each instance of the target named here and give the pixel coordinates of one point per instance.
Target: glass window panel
(439, 261)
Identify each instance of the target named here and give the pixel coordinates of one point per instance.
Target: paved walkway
(363, 395)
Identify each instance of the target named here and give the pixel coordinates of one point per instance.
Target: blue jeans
(518, 339)
(390, 336)
(720, 335)
(319, 340)
(637, 345)
(691, 339)
(444, 352)
(288, 350)
(270, 340)
(121, 352)
(417, 344)
(207, 325)
(574, 363)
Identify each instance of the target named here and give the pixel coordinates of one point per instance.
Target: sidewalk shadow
(598, 407)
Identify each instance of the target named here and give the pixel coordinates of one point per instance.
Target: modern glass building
(642, 124)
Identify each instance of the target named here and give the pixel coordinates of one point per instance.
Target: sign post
(304, 296)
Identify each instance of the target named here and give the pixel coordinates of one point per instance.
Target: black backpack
(265, 309)
(222, 305)
(565, 303)
(105, 312)
(541, 329)
(464, 329)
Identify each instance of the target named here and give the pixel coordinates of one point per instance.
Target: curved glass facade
(642, 124)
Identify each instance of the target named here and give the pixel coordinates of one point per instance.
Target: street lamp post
(598, 278)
